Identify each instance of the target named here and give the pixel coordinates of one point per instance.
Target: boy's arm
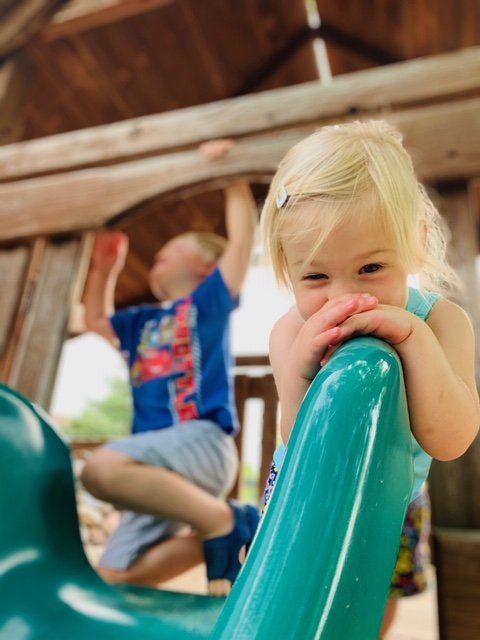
(241, 222)
(108, 259)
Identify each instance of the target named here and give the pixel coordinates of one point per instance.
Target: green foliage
(104, 419)
(249, 484)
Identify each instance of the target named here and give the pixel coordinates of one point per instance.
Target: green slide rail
(322, 560)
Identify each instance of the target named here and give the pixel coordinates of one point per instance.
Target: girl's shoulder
(284, 332)
(291, 321)
(447, 316)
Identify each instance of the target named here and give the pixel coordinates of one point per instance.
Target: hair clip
(281, 197)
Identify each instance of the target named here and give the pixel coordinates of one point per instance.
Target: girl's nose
(342, 288)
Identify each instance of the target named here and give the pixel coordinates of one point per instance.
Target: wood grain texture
(41, 324)
(81, 15)
(21, 19)
(457, 558)
(442, 138)
(375, 91)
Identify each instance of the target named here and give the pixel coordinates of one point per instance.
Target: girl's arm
(438, 364)
(291, 387)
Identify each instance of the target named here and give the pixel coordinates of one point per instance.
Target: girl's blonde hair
(347, 172)
(211, 245)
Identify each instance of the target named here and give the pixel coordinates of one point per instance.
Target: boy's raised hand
(110, 251)
(216, 149)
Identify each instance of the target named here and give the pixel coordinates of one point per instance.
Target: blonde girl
(346, 222)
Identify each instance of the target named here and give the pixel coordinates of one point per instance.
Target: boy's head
(355, 175)
(183, 262)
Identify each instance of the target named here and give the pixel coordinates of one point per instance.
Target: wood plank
(76, 324)
(242, 383)
(21, 21)
(443, 138)
(26, 295)
(16, 75)
(373, 90)
(457, 558)
(13, 266)
(82, 15)
(45, 324)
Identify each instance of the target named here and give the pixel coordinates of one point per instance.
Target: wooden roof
(103, 61)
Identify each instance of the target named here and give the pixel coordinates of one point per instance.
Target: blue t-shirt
(419, 303)
(179, 358)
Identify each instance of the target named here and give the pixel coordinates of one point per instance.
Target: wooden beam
(374, 91)
(443, 140)
(42, 321)
(21, 21)
(82, 15)
(13, 267)
(16, 76)
(331, 33)
(301, 39)
(457, 559)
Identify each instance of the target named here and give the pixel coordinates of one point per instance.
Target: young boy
(181, 457)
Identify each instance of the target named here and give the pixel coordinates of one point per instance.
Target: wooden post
(43, 309)
(16, 75)
(455, 486)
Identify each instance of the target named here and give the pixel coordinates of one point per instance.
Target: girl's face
(352, 260)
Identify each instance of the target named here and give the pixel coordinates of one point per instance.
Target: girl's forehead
(347, 240)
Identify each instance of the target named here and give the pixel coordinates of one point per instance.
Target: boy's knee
(113, 576)
(100, 473)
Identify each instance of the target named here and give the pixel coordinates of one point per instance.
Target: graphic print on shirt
(165, 351)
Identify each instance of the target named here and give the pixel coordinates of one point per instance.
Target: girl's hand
(110, 251)
(392, 324)
(216, 149)
(320, 332)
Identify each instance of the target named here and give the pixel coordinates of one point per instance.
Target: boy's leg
(159, 563)
(143, 488)
(141, 481)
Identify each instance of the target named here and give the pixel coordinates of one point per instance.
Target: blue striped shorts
(198, 450)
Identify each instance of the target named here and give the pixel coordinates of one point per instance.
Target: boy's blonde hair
(211, 245)
(347, 172)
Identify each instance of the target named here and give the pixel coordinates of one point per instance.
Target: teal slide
(322, 560)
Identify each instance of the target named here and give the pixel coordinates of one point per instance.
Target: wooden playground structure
(56, 190)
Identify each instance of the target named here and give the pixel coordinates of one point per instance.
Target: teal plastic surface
(322, 560)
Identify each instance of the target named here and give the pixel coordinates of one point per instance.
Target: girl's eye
(314, 276)
(370, 268)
